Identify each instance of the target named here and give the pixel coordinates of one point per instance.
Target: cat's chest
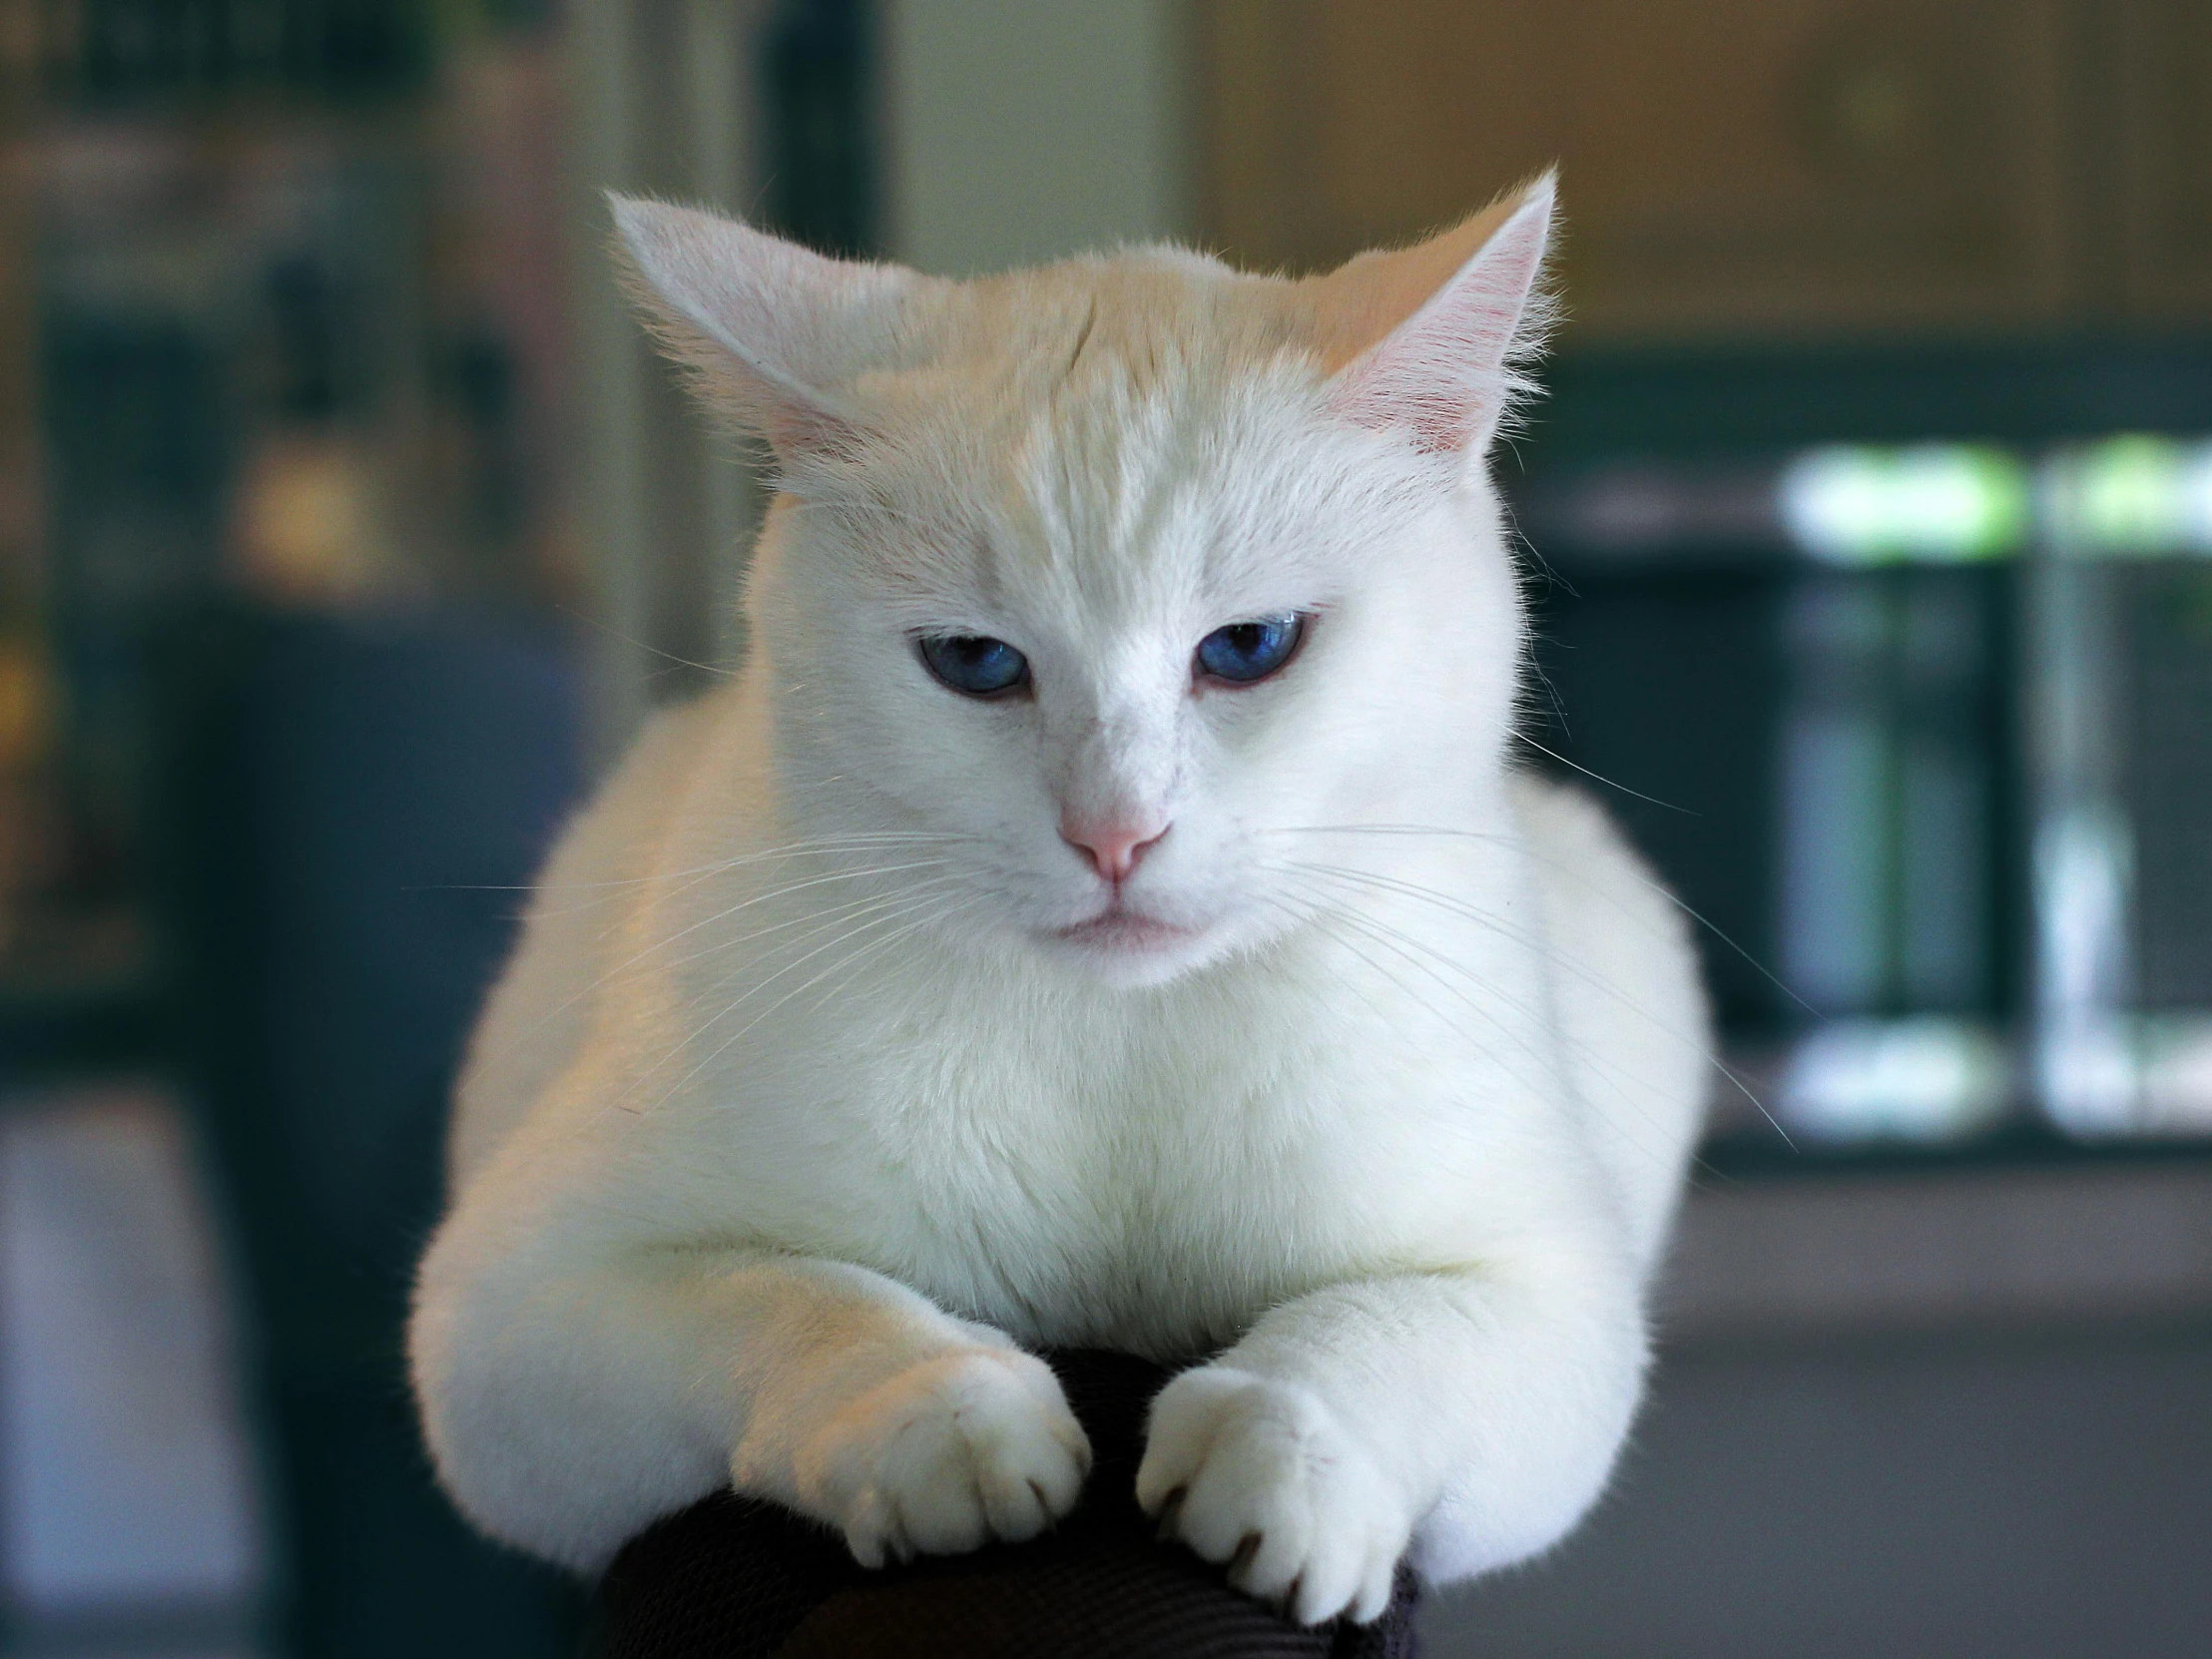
(1157, 1219)
(1145, 1189)
(1145, 1174)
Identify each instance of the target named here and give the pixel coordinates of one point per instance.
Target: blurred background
(348, 527)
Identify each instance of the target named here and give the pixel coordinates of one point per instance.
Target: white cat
(1103, 912)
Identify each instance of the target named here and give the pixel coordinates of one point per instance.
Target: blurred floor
(1956, 1414)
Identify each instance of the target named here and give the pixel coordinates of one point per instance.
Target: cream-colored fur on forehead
(1131, 304)
(1116, 440)
(1042, 445)
(1142, 313)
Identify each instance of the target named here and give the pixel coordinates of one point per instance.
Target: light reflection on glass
(1923, 1080)
(2084, 1066)
(2134, 495)
(1936, 503)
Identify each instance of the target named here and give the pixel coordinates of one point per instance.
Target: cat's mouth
(1117, 930)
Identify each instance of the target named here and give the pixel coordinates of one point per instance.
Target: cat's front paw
(948, 1454)
(1258, 1475)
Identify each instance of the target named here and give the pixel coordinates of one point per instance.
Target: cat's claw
(1258, 1475)
(950, 1454)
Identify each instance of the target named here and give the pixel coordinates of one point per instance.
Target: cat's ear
(1429, 340)
(770, 330)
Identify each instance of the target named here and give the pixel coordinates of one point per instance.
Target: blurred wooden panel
(1743, 165)
(2164, 122)
(1331, 125)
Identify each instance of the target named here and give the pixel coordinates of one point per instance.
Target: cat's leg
(567, 1410)
(1470, 1415)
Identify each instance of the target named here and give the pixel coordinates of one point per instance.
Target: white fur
(797, 1119)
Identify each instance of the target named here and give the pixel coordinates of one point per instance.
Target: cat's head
(1130, 577)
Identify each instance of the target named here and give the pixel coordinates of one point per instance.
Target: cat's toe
(954, 1452)
(1272, 1487)
(874, 1533)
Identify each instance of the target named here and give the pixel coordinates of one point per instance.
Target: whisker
(1330, 919)
(1459, 908)
(1496, 838)
(824, 919)
(1597, 778)
(902, 908)
(873, 948)
(792, 850)
(1620, 1077)
(822, 848)
(616, 634)
(858, 960)
(702, 873)
(1381, 939)
(1316, 918)
(610, 890)
(780, 893)
(614, 974)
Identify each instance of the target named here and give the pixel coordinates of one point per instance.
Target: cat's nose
(1113, 846)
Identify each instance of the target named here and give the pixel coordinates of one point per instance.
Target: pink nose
(1113, 848)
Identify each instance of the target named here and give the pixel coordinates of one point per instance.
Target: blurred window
(1992, 767)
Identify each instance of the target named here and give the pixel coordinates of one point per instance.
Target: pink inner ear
(795, 427)
(1444, 374)
(760, 323)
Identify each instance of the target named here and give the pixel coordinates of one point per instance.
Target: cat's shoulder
(648, 785)
(670, 742)
(1577, 850)
(1554, 813)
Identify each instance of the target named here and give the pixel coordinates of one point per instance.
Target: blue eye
(973, 664)
(1247, 651)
